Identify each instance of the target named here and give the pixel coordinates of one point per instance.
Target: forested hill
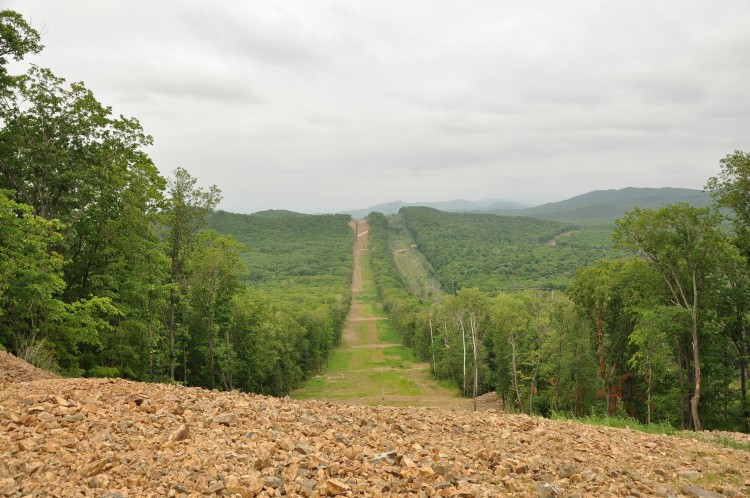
(299, 273)
(493, 252)
(284, 246)
(605, 206)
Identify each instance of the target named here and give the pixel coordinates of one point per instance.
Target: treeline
(109, 269)
(495, 253)
(659, 336)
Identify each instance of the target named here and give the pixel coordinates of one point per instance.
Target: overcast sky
(321, 106)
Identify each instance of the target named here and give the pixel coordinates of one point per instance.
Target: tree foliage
(107, 268)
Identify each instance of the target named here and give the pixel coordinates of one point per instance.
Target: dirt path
(371, 366)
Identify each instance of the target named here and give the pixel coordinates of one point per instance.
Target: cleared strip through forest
(372, 366)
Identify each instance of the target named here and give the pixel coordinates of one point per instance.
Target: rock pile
(114, 438)
(13, 369)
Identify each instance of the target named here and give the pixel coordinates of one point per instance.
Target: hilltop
(598, 206)
(605, 206)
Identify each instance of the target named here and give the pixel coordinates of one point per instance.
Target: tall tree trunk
(475, 353)
(463, 342)
(170, 330)
(229, 360)
(683, 369)
(150, 325)
(211, 354)
(432, 348)
(512, 340)
(697, 378)
(743, 385)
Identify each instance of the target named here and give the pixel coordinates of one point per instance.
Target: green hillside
(286, 248)
(497, 253)
(605, 206)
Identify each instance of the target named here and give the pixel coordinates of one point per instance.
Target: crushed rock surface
(116, 438)
(13, 369)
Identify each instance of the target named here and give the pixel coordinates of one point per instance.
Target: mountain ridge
(596, 206)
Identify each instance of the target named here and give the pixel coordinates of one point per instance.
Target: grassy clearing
(372, 366)
(412, 265)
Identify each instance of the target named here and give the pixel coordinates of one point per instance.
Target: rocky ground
(14, 370)
(114, 438)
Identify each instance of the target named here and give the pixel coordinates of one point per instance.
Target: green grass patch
(387, 333)
(621, 423)
(398, 357)
(391, 383)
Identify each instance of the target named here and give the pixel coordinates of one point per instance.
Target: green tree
(731, 189)
(685, 245)
(184, 215)
(30, 277)
(605, 293)
(17, 38)
(653, 351)
(214, 272)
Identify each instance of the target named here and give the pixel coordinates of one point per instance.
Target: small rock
(181, 433)
(689, 474)
(589, 475)
(387, 456)
(548, 490)
(426, 471)
(272, 482)
(700, 492)
(225, 419)
(336, 487)
(215, 487)
(566, 470)
(664, 490)
(303, 448)
(343, 440)
(240, 490)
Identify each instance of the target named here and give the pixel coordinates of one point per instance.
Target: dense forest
(495, 253)
(109, 269)
(651, 325)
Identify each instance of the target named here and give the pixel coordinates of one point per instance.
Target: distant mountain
(605, 206)
(454, 206)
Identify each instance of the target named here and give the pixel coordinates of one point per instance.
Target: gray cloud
(321, 106)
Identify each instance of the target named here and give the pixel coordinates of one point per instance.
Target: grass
(621, 423)
(387, 333)
(655, 428)
(412, 265)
